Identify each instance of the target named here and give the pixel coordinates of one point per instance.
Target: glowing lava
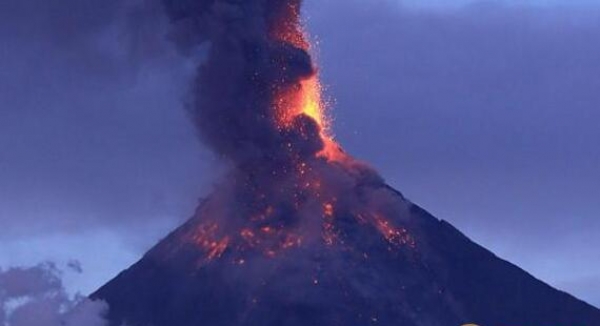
(312, 105)
(306, 98)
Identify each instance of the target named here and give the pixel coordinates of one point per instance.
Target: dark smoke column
(252, 79)
(256, 102)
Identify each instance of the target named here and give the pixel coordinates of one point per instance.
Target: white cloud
(35, 296)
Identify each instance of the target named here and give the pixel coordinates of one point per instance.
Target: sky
(461, 3)
(484, 114)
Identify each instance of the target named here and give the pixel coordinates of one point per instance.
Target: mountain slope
(414, 270)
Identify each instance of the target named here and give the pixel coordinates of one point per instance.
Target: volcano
(298, 232)
(421, 271)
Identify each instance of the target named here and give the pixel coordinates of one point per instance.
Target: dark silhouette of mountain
(413, 270)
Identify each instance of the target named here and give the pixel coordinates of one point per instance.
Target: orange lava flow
(313, 106)
(394, 235)
(307, 98)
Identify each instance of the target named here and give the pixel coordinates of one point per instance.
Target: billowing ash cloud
(252, 58)
(256, 102)
(35, 296)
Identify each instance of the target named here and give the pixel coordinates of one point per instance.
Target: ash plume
(249, 62)
(256, 102)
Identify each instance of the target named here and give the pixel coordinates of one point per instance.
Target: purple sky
(485, 115)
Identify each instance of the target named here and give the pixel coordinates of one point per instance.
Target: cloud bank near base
(35, 296)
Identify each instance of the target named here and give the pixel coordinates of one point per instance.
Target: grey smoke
(232, 100)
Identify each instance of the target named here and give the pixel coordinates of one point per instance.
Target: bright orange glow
(267, 229)
(206, 238)
(313, 106)
(218, 248)
(329, 233)
(394, 235)
(328, 209)
(307, 98)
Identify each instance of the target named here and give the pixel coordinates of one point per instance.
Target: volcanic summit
(299, 232)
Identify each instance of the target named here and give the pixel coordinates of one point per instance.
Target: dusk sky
(484, 114)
